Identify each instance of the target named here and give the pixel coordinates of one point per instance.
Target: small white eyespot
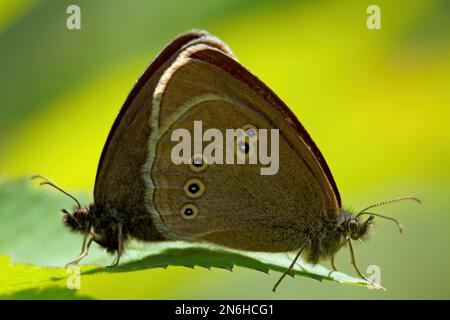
(197, 164)
(194, 188)
(243, 147)
(251, 131)
(189, 211)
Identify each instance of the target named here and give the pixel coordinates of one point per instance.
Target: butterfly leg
(290, 267)
(83, 253)
(86, 234)
(333, 265)
(116, 262)
(352, 254)
(119, 245)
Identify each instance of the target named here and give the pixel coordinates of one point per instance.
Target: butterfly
(140, 193)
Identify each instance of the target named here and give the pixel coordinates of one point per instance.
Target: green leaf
(39, 246)
(30, 281)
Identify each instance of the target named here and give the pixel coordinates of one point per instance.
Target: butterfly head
(87, 220)
(78, 220)
(353, 228)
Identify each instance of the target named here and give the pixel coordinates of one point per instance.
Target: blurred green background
(377, 103)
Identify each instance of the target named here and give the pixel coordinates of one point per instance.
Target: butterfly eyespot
(244, 147)
(247, 144)
(197, 164)
(194, 188)
(189, 211)
(251, 132)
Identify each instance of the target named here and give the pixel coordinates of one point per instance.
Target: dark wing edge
(235, 69)
(160, 59)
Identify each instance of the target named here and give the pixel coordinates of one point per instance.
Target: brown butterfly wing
(239, 208)
(238, 71)
(119, 185)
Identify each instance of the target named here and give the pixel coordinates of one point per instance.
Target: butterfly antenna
(47, 181)
(388, 202)
(290, 267)
(399, 225)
